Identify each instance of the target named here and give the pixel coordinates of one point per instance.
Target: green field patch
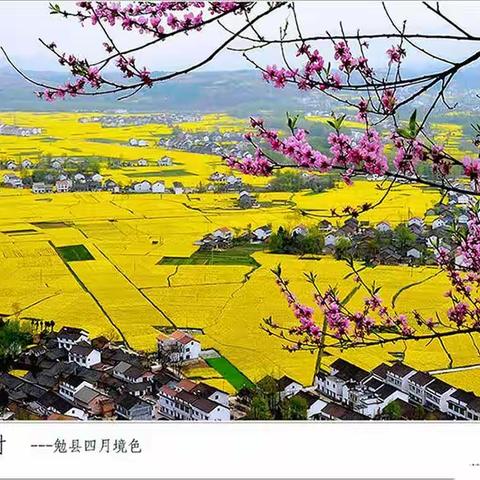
(176, 172)
(74, 253)
(239, 255)
(229, 372)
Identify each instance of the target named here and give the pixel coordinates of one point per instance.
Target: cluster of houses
(348, 392)
(17, 131)
(223, 238)
(144, 119)
(216, 143)
(70, 376)
(367, 393)
(427, 236)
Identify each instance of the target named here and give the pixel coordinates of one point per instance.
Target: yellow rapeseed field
(124, 290)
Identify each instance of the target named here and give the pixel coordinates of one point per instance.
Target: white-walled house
(67, 337)
(343, 375)
(416, 221)
(287, 387)
(13, 180)
(330, 240)
(178, 188)
(458, 402)
(414, 253)
(27, 163)
(79, 177)
(142, 162)
(398, 375)
(84, 354)
(165, 162)
(300, 230)
(142, 187)
(185, 401)
(383, 227)
(437, 394)
(70, 385)
(223, 233)
(178, 346)
(158, 187)
(371, 397)
(261, 234)
(62, 186)
(96, 177)
(417, 384)
(438, 223)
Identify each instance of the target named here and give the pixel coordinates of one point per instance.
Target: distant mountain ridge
(240, 92)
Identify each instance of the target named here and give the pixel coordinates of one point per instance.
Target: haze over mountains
(238, 92)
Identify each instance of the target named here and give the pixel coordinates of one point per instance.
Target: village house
(131, 373)
(165, 162)
(11, 165)
(26, 163)
(158, 186)
(398, 375)
(437, 394)
(185, 401)
(13, 181)
(41, 187)
(79, 177)
(51, 403)
(142, 187)
(414, 253)
(245, 200)
(70, 385)
(343, 375)
(371, 397)
(178, 188)
(142, 162)
(178, 347)
(330, 240)
(67, 337)
(63, 185)
(130, 407)
(223, 233)
(416, 386)
(84, 354)
(95, 403)
(261, 234)
(288, 387)
(335, 411)
(383, 227)
(111, 186)
(458, 402)
(300, 230)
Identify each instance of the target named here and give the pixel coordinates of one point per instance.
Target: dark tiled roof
(309, 397)
(82, 349)
(385, 391)
(463, 396)
(381, 370)
(439, 386)
(284, 382)
(400, 369)
(421, 378)
(347, 371)
(128, 401)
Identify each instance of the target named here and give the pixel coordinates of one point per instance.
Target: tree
(393, 411)
(294, 408)
(403, 238)
(259, 408)
(14, 337)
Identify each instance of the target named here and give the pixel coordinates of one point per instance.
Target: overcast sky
(22, 23)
